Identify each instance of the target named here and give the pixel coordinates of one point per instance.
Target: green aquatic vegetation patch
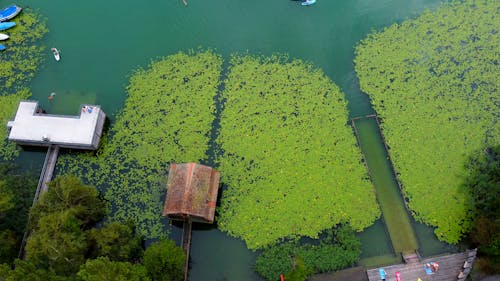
(288, 157)
(23, 55)
(338, 249)
(167, 117)
(434, 82)
(18, 64)
(8, 106)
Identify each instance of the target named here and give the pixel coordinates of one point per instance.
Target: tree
(484, 184)
(116, 241)
(68, 192)
(16, 195)
(6, 198)
(58, 243)
(300, 271)
(27, 272)
(164, 261)
(103, 269)
(8, 243)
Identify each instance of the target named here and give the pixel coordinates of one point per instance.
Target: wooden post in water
(186, 244)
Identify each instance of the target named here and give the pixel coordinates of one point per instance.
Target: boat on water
(308, 2)
(7, 25)
(55, 51)
(2, 47)
(3, 36)
(9, 12)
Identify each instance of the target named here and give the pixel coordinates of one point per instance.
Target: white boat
(3, 36)
(56, 54)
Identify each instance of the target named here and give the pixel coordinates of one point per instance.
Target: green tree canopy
(116, 241)
(485, 186)
(17, 190)
(103, 269)
(69, 193)
(26, 271)
(6, 198)
(58, 243)
(165, 261)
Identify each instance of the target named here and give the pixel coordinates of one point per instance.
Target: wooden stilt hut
(191, 197)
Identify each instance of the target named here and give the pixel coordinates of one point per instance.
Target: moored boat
(56, 54)
(2, 47)
(9, 12)
(7, 25)
(3, 36)
(308, 2)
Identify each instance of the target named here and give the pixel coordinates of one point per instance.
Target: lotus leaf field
(290, 160)
(167, 117)
(18, 65)
(434, 82)
(287, 156)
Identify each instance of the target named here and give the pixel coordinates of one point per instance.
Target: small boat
(9, 12)
(2, 47)
(308, 2)
(56, 54)
(3, 36)
(7, 25)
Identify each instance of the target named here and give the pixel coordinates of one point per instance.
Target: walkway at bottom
(454, 267)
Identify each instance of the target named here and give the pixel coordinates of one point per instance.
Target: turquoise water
(102, 42)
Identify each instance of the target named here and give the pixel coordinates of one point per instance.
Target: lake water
(102, 42)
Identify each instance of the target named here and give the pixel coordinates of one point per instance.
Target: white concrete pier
(81, 132)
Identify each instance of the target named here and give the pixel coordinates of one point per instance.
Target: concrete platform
(39, 129)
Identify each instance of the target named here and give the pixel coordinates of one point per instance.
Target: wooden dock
(186, 244)
(454, 267)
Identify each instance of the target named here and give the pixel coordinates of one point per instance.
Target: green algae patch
(289, 159)
(18, 64)
(434, 82)
(167, 117)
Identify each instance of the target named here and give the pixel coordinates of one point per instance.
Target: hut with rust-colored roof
(191, 192)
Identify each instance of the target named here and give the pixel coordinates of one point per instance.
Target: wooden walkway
(186, 244)
(48, 168)
(454, 267)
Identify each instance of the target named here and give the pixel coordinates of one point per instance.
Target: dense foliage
(434, 82)
(485, 185)
(116, 241)
(103, 269)
(165, 261)
(167, 117)
(289, 158)
(339, 249)
(16, 193)
(64, 245)
(17, 66)
(59, 221)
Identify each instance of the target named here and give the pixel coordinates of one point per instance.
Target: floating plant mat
(167, 117)
(434, 82)
(289, 159)
(18, 64)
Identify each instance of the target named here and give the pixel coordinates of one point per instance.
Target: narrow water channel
(390, 199)
(102, 42)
